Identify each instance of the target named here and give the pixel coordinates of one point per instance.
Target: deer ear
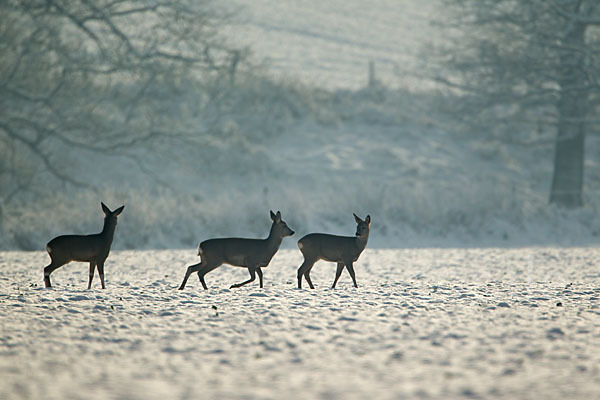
(119, 210)
(105, 209)
(278, 216)
(273, 216)
(357, 218)
(368, 220)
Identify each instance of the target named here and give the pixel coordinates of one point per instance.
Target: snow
(328, 44)
(344, 153)
(445, 308)
(449, 323)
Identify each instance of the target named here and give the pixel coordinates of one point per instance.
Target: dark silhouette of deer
(253, 254)
(86, 248)
(343, 250)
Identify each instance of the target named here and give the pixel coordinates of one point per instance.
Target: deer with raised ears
(253, 254)
(343, 250)
(85, 248)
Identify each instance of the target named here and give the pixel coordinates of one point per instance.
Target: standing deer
(247, 253)
(341, 249)
(86, 248)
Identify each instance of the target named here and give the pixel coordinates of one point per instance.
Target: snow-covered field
(329, 44)
(425, 323)
(306, 137)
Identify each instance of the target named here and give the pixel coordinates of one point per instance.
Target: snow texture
(315, 143)
(424, 324)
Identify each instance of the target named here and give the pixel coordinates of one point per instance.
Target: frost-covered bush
(317, 156)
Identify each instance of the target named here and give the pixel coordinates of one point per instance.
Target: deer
(343, 250)
(84, 248)
(253, 254)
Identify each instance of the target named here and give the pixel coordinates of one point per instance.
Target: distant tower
(372, 79)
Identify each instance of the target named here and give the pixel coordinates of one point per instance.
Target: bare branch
(32, 145)
(87, 75)
(80, 23)
(575, 16)
(105, 17)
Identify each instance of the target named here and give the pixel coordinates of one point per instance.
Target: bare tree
(534, 63)
(98, 75)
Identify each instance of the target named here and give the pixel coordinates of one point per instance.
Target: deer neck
(108, 231)
(361, 243)
(273, 240)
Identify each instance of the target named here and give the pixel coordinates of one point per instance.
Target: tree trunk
(567, 182)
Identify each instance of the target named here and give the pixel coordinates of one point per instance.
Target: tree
(536, 62)
(97, 75)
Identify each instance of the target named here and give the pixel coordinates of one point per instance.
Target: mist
(271, 199)
(317, 110)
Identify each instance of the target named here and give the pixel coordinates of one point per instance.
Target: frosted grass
(424, 323)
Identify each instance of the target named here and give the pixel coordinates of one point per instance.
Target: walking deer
(86, 248)
(341, 249)
(253, 254)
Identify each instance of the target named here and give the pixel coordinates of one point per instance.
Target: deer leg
(190, 270)
(260, 276)
(92, 268)
(338, 273)
(49, 269)
(304, 270)
(252, 277)
(307, 276)
(205, 270)
(100, 266)
(300, 276)
(350, 269)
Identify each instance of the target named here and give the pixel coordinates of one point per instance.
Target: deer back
(330, 247)
(235, 251)
(77, 248)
